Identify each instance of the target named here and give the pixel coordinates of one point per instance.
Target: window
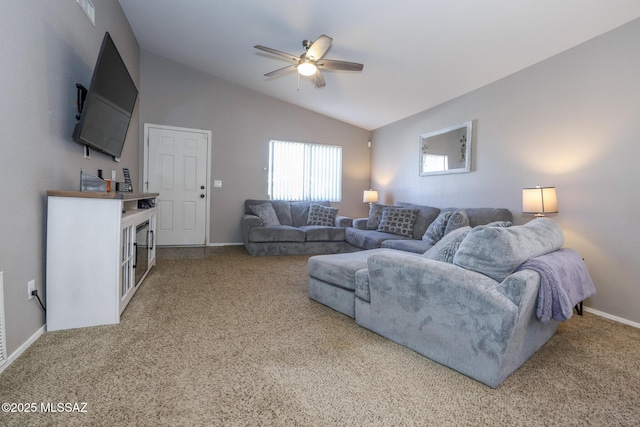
(301, 171)
(435, 162)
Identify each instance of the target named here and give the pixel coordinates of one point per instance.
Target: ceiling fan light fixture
(307, 68)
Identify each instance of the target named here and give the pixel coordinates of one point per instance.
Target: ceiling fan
(310, 62)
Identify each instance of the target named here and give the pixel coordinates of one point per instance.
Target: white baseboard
(611, 317)
(25, 345)
(225, 244)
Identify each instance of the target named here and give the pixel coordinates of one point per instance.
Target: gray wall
(242, 122)
(46, 48)
(570, 122)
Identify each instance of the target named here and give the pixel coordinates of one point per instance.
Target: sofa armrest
(248, 222)
(343, 221)
(360, 223)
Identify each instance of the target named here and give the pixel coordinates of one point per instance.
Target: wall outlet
(31, 286)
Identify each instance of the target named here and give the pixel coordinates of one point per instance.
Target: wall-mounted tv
(106, 108)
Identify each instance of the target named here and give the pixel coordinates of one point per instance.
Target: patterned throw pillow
(436, 229)
(266, 213)
(322, 215)
(446, 247)
(458, 219)
(398, 220)
(375, 215)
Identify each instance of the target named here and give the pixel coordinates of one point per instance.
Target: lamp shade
(370, 196)
(539, 200)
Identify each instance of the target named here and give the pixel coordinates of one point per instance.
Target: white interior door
(177, 169)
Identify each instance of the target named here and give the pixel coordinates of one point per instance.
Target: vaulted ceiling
(416, 53)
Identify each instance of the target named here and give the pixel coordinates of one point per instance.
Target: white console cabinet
(100, 247)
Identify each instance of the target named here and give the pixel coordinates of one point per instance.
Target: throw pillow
(266, 213)
(398, 220)
(446, 247)
(458, 219)
(500, 224)
(436, 229)
(322, 215)
(375, 215)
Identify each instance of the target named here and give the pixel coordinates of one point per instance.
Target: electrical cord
(35, 293)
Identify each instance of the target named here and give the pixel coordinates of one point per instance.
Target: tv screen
(109, 103)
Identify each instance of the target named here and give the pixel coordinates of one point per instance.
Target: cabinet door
(152, 240)
(126, 265)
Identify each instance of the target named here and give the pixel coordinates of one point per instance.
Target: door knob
(202, 196)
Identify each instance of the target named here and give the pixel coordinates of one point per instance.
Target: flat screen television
(106, 108)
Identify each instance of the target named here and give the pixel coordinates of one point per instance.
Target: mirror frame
(467, 163)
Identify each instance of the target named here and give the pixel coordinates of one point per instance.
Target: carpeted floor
(229, 340)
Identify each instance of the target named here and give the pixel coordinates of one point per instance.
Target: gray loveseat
(290, 233)
(462, 303)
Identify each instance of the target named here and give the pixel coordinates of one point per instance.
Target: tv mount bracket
(82, 96)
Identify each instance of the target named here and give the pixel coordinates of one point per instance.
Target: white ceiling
(416, 53)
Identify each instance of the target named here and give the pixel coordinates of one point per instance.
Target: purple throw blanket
(564, 282)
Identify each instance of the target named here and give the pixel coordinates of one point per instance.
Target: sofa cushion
(500, 224)
(320, 233)
(300, 212)
(446, 248)
(362, 285)
(375, 215)
(322, 215)
(407, 245)
(369, 239)
(482, 216)
(436, 229)
(458, 219)
(282, 208)
(426, 215)
(398, 220)
(266, 213)
(497, 251)
(276, 233)
(340, 269)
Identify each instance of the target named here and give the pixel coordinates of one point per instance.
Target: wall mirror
(446, 150)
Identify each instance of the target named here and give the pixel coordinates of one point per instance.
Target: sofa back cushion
(266, 213)
(300, 212)
(482, 216)
(497, 251)
(426, 215)
(281, 207)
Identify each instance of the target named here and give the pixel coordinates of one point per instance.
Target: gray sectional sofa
(365, 234)
(470, 302)
(291, 232)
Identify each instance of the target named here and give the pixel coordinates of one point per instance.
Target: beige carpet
(234, 340)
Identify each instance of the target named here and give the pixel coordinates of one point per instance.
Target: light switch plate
(217, 183)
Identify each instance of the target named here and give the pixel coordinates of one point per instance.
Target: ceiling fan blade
(319, 79)
(332, 64)
(318, 48)
(280, 70)
(279, 53)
